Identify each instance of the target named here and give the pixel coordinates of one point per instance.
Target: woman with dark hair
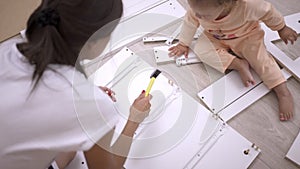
(44, 117)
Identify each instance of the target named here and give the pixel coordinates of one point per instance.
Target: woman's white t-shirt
(63, 113)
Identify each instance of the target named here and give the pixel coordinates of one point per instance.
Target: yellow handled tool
(152, 79)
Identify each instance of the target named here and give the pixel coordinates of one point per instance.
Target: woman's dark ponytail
(48, 17)
(45, 44)
(57, 30)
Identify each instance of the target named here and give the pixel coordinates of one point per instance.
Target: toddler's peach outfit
(240, 32)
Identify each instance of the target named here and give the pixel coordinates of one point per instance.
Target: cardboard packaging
(14, 15)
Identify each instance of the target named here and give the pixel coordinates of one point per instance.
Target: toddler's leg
(243, 67)
(253, 49)
(215, 54)
(211, 52)
(285, 100)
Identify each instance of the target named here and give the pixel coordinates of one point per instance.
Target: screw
(246, 152)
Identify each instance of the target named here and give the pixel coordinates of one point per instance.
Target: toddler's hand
(178, 50)
(288, 34)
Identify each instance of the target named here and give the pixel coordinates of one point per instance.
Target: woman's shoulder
(8, 49)
(8, 44)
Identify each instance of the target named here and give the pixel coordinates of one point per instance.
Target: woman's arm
(102, 155)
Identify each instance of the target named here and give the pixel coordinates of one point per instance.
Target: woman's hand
(288, 34)
(178, 50)
(140, 108)
(109, 92)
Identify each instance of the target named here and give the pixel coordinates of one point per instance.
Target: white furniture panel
(246, 100)
(132, 29)
(135, 7)
(225, 91)
(78, 162)
(294, 152)
(183, 134)
(146, 22)
(280, 56)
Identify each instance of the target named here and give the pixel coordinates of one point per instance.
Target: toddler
(233, 26)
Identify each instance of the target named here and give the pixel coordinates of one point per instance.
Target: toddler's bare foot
(243, 67)
(245, 73)
(285, 101)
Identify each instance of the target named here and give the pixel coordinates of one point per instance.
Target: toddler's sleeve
(265, 12)
(189, 28)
